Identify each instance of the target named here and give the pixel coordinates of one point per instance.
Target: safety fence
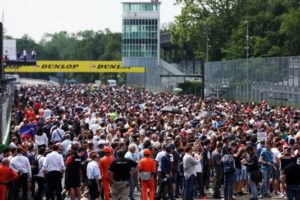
(275, 79)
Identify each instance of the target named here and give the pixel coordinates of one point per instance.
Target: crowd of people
(78, 142)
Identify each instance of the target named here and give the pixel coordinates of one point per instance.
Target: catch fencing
(275, 79)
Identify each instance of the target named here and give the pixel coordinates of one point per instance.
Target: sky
(36, 17)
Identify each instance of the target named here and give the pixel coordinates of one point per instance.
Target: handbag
(145, 176)
(256, 176)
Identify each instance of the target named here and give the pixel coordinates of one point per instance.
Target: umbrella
(171, 109)
(72, 81)
(204, 114)
(177, 90)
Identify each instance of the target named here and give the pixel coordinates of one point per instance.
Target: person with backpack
(218, 170)
(37, 172)
(166, 174)
(229, 169)
(254, 174)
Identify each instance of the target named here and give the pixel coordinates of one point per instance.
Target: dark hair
(55, 147)
(188, 148)
(121, 153)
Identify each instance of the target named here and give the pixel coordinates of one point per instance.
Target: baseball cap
(147, 152)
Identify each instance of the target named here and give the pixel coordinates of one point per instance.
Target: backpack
(35, 166)
(228, 165)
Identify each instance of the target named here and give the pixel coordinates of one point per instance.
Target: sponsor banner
(75, 67)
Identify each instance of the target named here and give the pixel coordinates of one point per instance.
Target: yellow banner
(75, 67)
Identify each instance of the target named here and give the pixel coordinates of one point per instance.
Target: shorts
(237, 175)
(276, 172)
(72, 182)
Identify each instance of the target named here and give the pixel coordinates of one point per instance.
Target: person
(166, 174)
(94, 176)
(24, 55)
(291, 175)
(7, 175)
(6, 59)
(190, 173)
(72, 174)
(266, 160)
(33, 55)
(251, 162)
(130, 154)
(40, 176)
(147, 169)
(21, 164)
(57, 134)
(104, 164)
(198, 155)
(53, 168)
(218, 170)
(229, 172)
(119, 173)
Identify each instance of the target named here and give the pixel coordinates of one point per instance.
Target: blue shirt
(267, 157)
(93, 170)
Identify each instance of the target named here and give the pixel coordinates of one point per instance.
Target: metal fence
(6, 101)
(276, 79)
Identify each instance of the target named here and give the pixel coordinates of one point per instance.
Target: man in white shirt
(21, 164)
(94, 176)
(189, 169)
(54, 167)
(130, 154)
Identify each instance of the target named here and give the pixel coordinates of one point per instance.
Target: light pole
(247, 57)
(207, 29)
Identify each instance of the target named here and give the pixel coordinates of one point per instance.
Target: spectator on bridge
(24, 55)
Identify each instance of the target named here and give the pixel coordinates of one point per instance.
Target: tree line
(273, 28)
(83, 45)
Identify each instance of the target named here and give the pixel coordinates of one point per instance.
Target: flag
(28, 130)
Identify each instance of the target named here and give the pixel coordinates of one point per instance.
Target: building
(140, 41)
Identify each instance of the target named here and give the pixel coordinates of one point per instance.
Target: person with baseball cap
(104, 164)
(147, 168)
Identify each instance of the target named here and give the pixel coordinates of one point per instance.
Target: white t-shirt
(276, 154)
(198, 167)
(41, 139)
(158, 159)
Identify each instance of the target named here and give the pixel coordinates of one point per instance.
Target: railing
(6, 100)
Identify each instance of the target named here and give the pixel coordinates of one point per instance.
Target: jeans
(189, 188)
(21, 183)
(131, 188)
(206, 177)
(200, 184)
(293, 192)
(218, 181)
(41, 187)
(266, 182)
(228, 186)
(253, 187)
(54, 185)
(165, 181)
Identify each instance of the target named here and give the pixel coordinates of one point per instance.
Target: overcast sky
(36, 17)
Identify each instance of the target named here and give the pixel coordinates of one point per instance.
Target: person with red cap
(104, 164)
(147, 168)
